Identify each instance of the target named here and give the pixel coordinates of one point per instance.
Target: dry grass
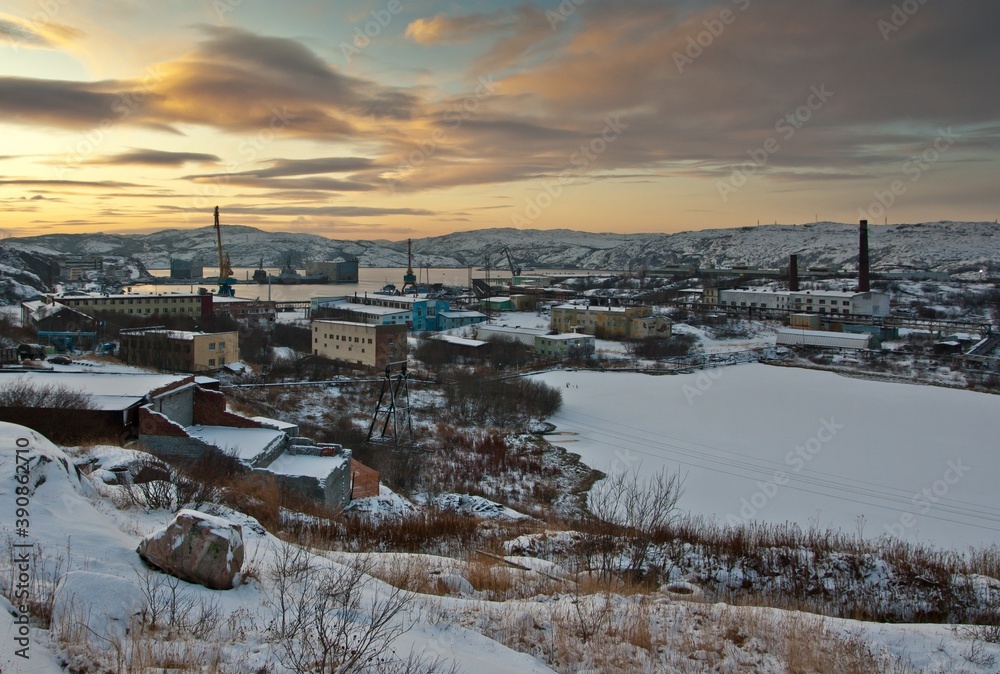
(645, 634)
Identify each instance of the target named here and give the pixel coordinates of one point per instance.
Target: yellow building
(179, 350)
(609, 322)
(360, 344)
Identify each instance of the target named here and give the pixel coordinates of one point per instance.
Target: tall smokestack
(864, 273)
(793, 273)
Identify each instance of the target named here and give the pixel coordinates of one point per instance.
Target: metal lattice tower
(395, 410)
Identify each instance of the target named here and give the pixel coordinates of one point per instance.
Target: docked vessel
(290, 276)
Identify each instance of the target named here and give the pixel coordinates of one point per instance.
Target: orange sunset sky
(397, 118)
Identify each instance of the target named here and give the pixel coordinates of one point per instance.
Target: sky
(388, 119)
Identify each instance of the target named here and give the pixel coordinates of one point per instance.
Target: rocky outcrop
(198, 548)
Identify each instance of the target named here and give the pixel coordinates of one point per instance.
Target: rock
(455, 584)
(198, 548)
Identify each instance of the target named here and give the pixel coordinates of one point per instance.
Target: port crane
(515, 270)
(225, 267)
(409, 278)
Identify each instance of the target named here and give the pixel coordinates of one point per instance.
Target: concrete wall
(177, 405)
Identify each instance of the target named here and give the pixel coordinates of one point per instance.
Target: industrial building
(610, 322)
(525, 336)
(76, 267)
(565, 345)
(830, 340)
(423, 311)
(807, 301)
(340, 309)
(135, 304)
(359, 344)
(178, 350)
(448, 320)
(241, 309)
(340, 271)
(186, 269)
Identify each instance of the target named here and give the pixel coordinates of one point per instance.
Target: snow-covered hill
(941, 246)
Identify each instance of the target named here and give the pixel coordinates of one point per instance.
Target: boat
(387, 289)
(290, 276)
(260, 274)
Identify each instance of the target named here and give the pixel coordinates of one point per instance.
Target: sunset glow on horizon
(390, 119)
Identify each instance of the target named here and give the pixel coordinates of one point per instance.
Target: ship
(290, 276)
(260, 274)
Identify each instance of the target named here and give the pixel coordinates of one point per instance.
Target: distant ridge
(951, 247)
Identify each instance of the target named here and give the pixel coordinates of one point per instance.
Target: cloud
(35, 34)
(444, 29)
(155, 158)
(66, 183)
(336, 211)
(318, 183)
(297, 167)
(233, 80)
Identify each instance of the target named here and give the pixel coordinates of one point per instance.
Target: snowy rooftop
(511, 330)
(246, 443)
(591, 307)
(275, 423)
(126, 296)
(318, 467)
(462, 341)
(371, 309)
(567, 336)
(461, 314)
(108, 391)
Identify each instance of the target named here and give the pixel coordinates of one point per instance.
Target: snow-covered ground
(758, 442)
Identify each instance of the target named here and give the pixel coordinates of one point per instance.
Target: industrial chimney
(864, 273)
(793, 273)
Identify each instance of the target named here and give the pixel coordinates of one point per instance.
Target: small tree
(641, 508)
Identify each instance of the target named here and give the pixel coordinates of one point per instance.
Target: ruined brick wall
(210, 410)
(365, 480)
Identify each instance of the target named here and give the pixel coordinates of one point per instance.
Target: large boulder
(198, 548)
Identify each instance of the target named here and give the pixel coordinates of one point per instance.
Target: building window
(211, 362)
(211, 346)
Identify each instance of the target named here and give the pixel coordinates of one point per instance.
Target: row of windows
(211, 346)
(147, 300)
(155, 310)
(337, 347)
(337, 338)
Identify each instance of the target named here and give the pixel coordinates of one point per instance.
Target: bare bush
(336, 618)
(642, 509)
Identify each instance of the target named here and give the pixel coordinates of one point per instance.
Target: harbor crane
(225, 267)
(409, 278)
(515, 270)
